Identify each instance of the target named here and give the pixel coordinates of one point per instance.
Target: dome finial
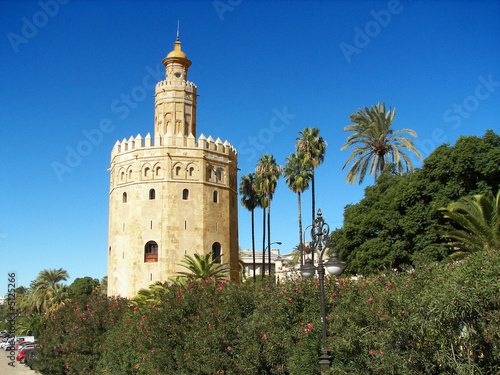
(177, 30)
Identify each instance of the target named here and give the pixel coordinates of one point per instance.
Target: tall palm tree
(477, 222)
(203, 267)
(268, 173)
(249, 200)
(297, 176)
(314, 148)
(375, 142)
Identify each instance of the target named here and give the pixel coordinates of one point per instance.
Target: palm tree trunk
(253, 245)
(313, 198)
(301, 244)
(313, 209)
(269, 235)
(263, 271)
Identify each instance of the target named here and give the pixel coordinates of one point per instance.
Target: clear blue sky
(264, 71)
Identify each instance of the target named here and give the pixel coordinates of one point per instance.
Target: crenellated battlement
(167, 84)
(178, 141)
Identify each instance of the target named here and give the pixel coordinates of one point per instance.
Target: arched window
(146, 172)
(124, 198)
(191, 170)
(177, 171)
(151, 252)
(216, 252)
(185, 194)
(158, 171)
(122, 176)
(152, 194)
(130, 175)
(216, 196)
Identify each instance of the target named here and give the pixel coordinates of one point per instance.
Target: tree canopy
(392, 224)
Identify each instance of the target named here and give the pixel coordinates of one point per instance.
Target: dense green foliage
(83, 286)
(392, 225)
(434, 320)
(475, 221)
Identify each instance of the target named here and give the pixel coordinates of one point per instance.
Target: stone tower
(170, 195)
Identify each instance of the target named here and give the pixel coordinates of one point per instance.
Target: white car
(6, 345)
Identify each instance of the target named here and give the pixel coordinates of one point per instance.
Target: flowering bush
(443, 319)
(71, 340)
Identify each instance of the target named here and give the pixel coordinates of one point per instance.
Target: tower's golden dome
(177, 55)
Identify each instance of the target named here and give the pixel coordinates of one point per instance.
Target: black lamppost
(269, 255)
(319, 238)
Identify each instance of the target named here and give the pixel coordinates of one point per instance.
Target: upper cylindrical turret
(175, 98)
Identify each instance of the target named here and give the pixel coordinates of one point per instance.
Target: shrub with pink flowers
(438, 319)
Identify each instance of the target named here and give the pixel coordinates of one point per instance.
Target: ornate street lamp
(320, 239)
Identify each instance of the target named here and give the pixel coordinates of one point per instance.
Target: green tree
(103, 286)
(249, 200)
(83, 286)
(268, 173)
(375, 141)
(203, 267)
(393, 224)
(297, 176)
(314, 148)
(477, 223)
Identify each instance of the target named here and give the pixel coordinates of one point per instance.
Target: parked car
(7, 344)
(18, 345)
(26, 345)
(21, 357)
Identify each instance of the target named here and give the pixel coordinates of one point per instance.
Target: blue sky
(264, 71)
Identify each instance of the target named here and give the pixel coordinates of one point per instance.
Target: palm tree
(314, 148)
(478, 223)
(375, 141)
(151, 296)
(28, 325)
(268, 173)
(249, 200)
(47, 289)
(297, 176)
(203, 267)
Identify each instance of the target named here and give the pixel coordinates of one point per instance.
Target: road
(18, 368)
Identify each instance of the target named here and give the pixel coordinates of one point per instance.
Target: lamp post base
(324, 362)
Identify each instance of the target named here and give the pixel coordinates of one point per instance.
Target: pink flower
(289, 300)
(229, 349)
(265, 337)
(372, 352)
(297, 290)
(381, 352)
(369, 300)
